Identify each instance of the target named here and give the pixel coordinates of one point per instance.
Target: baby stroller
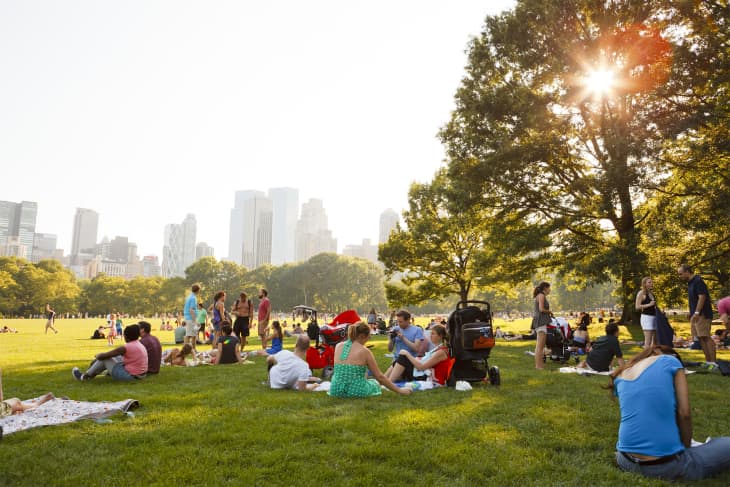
(470, 341)
(322, 356)
(559, 339)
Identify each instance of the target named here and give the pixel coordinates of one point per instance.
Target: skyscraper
(250, 231)
(203, 250)
(178, 250)
(86, 228)
(18, 220)
(284, 224)
(389, 220)
(313, 236)
(44, 247)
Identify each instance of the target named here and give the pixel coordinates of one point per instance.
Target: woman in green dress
(352, 361)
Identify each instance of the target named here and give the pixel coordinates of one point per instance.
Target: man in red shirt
(264, 315)
(154, 349)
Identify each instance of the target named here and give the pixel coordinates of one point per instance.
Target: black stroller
(559, 340)
(471, 339)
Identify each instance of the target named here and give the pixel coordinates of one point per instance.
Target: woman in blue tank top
(655, 433)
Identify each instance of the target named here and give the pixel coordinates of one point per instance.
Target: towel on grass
(61, 411)
(576, 370)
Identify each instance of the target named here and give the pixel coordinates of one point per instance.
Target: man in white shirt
(289, 370)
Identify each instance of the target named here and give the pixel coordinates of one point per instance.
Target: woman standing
(646, 304)
(655, 433)
(219, 314)
(540, 319)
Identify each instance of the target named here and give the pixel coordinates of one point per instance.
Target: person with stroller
(655, 432)
(408, 368)
(540, 319)
(646, 305)
(603, 351)
(352, 361)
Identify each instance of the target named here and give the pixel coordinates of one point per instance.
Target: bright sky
(148, 110)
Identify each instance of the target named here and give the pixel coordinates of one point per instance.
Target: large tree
(565, 111)
(449, 247)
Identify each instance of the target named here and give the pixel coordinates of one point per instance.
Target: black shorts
(240, 326)
(407, 367)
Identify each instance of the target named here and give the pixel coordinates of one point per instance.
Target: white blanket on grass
(579, 371)
(61, 411)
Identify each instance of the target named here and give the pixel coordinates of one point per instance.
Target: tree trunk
(632, 266)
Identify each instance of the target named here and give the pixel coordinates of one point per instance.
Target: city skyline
(147, 112)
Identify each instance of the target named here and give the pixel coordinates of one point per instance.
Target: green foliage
(451, 247)
(529, 132)
(25, 288)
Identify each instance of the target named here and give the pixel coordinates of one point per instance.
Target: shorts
(216, 326)
(541, 329)
(5, 409)
(240, 326)
(648, 322)
(191, 328)
(262, 328)
(407, 367)
(700, 326)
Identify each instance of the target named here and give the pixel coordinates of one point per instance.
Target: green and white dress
(349, 380)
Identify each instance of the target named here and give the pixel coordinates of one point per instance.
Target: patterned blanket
(61, 411)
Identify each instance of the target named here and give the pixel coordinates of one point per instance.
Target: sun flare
(599, 81)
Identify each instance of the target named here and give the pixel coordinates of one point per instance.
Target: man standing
(700, 311)
(202, 319)
(289, 370)
(243, 309)
(51, 315)
(152, 344)
(190, 316)
(264, 315)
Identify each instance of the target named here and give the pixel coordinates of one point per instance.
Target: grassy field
(220, 426)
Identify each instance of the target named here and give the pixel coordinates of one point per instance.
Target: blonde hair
(356, 330)
(643, 284)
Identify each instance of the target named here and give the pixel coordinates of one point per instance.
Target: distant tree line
(327, 281)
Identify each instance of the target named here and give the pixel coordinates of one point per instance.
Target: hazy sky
(148, 110)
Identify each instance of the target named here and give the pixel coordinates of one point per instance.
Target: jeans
(114, 365)
(694, 463)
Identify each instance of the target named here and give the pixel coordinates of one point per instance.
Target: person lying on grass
(603, 350)
(177, 356)
(127, 362)
(352, 361)
(289, 370)
(15, 406)
(655, 433)
(409, 368)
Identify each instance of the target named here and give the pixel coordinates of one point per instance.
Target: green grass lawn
(219, 425)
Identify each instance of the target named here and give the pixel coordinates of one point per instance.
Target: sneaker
(77, 374)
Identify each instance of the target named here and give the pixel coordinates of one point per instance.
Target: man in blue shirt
(190, 314)
(405, 336)
(700, 311)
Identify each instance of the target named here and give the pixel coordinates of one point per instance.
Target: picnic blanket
(61, 411)
(579, 371)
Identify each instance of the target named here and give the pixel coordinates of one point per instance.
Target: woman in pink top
(127, 362)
